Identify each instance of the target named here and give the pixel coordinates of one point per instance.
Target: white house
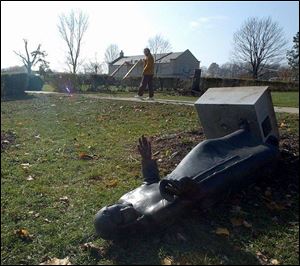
(179, 64)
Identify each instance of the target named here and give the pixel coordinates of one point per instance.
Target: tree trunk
(196, 80)
(29, 69)
(161, 84)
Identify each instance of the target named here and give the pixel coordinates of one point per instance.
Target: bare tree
(72, 28)
(259, 42)
(94, 66)
(214, 70)
(30, 59)
(112, 52)
(293, 56)
(158, 45)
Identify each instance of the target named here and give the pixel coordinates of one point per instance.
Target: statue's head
(113, 220)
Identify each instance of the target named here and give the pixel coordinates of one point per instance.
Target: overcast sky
(205, 28)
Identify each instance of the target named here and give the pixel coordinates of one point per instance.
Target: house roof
(160, 58)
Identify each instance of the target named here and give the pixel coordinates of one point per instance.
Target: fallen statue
(208, 173)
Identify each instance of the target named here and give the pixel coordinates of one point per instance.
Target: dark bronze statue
(209, 172)
(242, 133)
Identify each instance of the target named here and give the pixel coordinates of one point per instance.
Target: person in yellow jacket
(148, 73)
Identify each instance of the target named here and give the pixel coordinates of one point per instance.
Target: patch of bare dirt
(170, 149)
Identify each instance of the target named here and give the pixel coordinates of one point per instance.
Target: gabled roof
(160, 58)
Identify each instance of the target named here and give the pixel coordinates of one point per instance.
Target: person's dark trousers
(147, 80)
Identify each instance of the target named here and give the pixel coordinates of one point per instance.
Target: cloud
(194, 24)
(205, 22)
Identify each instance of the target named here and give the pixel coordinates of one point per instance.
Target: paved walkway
(291, 110)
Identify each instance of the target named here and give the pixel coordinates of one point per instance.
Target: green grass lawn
(281, 99)
(48, 190)
(286, 99)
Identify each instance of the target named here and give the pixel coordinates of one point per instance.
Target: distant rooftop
(160, 58)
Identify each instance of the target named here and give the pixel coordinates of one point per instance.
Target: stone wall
(205, 83)
(95, 82)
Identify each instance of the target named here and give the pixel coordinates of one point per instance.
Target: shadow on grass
(188, 242)
(192, 240)
(17, 98)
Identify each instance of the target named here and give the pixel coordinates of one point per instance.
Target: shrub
(13, 84)
(61, 81)
(35, 83)
(78, 82)
(100, 82)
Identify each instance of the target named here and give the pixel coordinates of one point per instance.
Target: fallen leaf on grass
(246, 224)
(268, 193)
(30, 178)
(56, 261)
(236, 248)
(95, 251)
(25, 167)
(168, 152)
(275, 206)
(181, 237)
(274, 262)
(24, 234)
(174, 154)
(111, 183)
(167, 261)
(236, 210)
(236, 221)
(222, 231)
(64, 199)
(102, 117)
(257, 188)
(156, 153)
(25, 164)
(85, 156)
(262, 258)
(96, 178)
(282, 125)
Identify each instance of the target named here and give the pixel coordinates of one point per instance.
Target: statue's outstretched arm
(149, 166)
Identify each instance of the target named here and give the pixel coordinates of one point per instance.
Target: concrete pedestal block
(222, 110)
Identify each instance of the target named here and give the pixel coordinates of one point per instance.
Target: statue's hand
(144, 148)
(149, 166)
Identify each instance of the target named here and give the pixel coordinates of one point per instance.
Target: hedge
(206, 83)
(102, 83)
(13, 84)
(78, 82)
(35, 83)
(63, 82)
